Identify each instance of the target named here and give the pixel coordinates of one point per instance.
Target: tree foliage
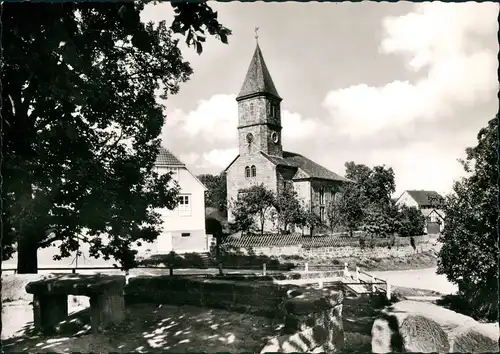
(411, 222)
(381, 221)
(289, 209)
(253, 206)
(377, 184)
(351, 207)
(216, 196)
(334, 214)
(469, 256)
(370, 203)
(81, 123)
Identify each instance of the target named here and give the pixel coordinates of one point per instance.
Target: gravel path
(419, 279)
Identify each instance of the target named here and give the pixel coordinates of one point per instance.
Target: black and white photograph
(249, 177)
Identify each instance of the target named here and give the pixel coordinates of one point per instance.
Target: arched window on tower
(251, 108)
(247, 172)
(254, 171)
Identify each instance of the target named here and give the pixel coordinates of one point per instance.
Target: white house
(429, 203)
(183, 227)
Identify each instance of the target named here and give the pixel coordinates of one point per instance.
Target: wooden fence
(359, 239)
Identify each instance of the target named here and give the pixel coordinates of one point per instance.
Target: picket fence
(359, 239)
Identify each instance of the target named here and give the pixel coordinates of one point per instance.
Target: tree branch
(110, 147)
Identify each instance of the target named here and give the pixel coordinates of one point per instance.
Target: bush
(193, 260)
(173, 260)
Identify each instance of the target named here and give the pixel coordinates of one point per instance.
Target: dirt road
(419, 279)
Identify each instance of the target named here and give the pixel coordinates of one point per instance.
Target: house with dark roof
(261, 158)
(430, 203)
(183, 227)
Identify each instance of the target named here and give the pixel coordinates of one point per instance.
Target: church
(261, 158)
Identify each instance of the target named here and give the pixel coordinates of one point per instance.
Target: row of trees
(365, 204)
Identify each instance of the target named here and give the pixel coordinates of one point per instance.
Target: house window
(321, 196)
(254, 171)
(185, 234)
(322, 213)
(184, 205)
(247, 172)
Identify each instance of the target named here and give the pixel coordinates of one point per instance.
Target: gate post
(346, 270)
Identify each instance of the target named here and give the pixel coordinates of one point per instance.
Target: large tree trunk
(27, 256)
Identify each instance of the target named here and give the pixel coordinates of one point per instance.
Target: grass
(425, 257)
(421, 260)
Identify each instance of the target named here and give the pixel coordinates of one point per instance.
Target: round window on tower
(275, 137)
(249, 138)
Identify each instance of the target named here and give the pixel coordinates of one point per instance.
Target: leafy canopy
(81, 122)
(469, 256)
(216, 196)
(253, 206)
(411, 222)
(289, 209)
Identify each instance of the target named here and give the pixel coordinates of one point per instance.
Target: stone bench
(50, 299)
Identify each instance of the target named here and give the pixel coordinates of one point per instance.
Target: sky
(401, 84)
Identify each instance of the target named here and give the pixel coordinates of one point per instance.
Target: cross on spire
(256, 34)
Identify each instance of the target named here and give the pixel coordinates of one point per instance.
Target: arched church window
(247, 172)
(273, 110)
(254, 171)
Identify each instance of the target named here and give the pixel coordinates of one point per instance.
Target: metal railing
(376, 285)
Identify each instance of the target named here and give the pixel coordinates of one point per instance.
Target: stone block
(106, 309)
(405, 332)
(475, 339)
(50, 305)
(49, 311)
(313, 323)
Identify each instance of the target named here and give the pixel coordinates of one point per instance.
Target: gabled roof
(425, 198)
(258, 80)
(305, 166)
(428, 212)
(166, 158)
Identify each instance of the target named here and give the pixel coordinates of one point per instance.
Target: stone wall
(375, 252)
(402, 248)
(311, 318)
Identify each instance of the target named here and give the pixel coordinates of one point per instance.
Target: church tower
(259, 113)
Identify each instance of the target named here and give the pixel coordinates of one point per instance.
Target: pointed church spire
(258, 80)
